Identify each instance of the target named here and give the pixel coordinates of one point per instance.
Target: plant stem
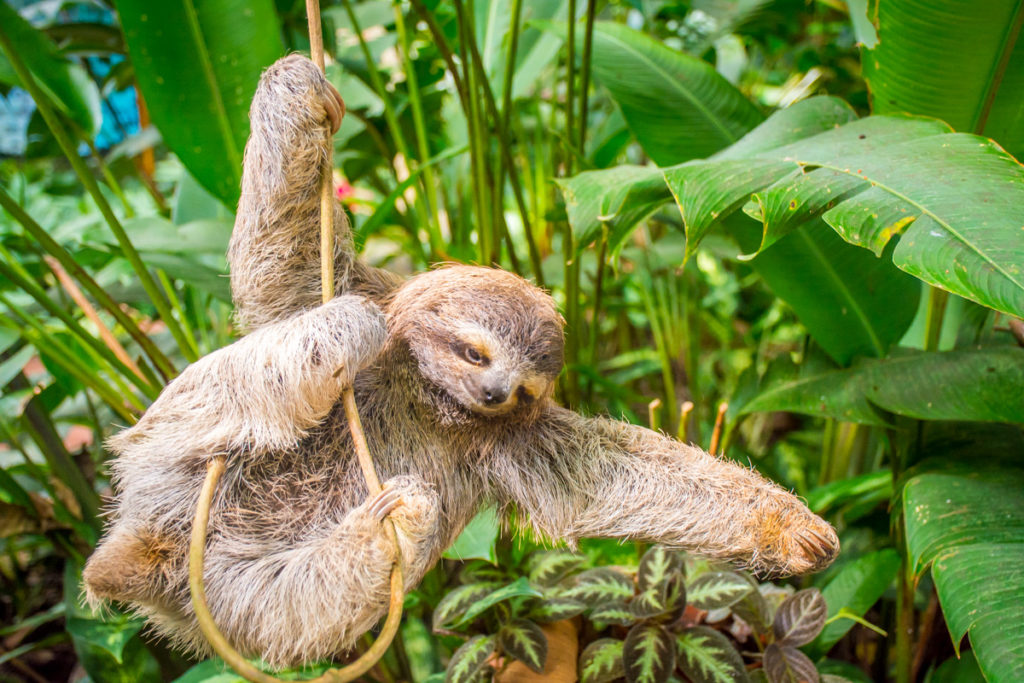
(160, 361)
(422, 146)
(570, 71)
(588, 37)
(91, 186)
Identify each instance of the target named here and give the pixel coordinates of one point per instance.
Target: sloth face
(487, 339)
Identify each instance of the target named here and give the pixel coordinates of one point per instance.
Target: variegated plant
(643, 625)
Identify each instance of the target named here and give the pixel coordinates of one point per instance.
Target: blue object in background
(119, 108)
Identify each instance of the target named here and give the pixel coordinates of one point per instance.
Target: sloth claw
(384, 504)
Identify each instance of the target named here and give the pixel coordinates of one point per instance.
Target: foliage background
(700, 185)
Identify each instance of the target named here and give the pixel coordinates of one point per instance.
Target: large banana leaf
(677, 106)
(957, 200)
(981, 385)
(961, 61)
(66, 83)
(197, 63)
(966, 520)
(851, 303)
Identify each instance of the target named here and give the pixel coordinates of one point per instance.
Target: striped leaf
(800, 618)
(753, 609)
(707, 656)
(601, 661)
(786, 664)
(716, 590)
(524, 640)
(556, 609)
(601, 586)
(454, 605)
(648, 654)
(469, 662)
(518, 588)
(618, 613)
(551, 566)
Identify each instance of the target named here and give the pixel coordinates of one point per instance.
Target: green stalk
(61, 353)
(441, 42)
(21, 279)
(112, 183)
(572, 316)
(91, 186)
(389, 110)
(168, 286)
(476, 149)
(429, 185)
(160, 361)
(588, 38)
(570, 70)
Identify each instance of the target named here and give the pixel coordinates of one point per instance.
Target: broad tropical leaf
(660, 585)
(918, 384)
(786, 664)
(470, 661)
(601, 661)
(66, 83)
(649, 654)
(600, 586)
(478, 539)
(962, 65)
(800, 618)
(198, 84)
(455, 603)
(716, 590)
(966, 520)
(618, 613)
(677, 106)
(707, 656)
(857, 586)
(524, 640)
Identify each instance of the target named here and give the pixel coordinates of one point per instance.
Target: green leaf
(478, 539)
(519, 587)
(556, 609)
(648, 654)
(600, 586)
(618, 613)
(716, 590)
(786, 664)
(210, 671)
(660, 586)
(548, 567)
(707, 656)
(111, 636)
(612, 200)
(800, 618)
(966, 520)
(66, 83)
(836, 493)
(197, 63)
(947, 60)
(524, 640)
(455, 603)
(470, 660)
(601, 661)
(918, 384)
(858, 585)
(677, 106)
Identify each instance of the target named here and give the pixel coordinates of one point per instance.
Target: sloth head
(484, 338)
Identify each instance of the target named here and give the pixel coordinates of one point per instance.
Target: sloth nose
(495, 395)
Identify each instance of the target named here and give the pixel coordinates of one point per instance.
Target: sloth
(453, 372)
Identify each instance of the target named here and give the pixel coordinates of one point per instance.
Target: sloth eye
(472, 355)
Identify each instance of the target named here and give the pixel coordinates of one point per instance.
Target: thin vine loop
(215, 468)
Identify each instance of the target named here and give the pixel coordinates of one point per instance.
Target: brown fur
(297, 563)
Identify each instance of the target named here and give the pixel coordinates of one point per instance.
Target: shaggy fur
(452, 370)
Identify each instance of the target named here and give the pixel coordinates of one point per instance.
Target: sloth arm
(574, 477)
(263, 392)
(274, 253)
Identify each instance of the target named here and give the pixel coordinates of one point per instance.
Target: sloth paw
(809, 545)
(334, 106)
(384, 503)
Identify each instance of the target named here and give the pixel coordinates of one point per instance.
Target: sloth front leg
(304, 601)
(580, 477)
(258, 395)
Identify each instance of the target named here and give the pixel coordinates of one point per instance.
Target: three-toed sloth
(453, 372)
